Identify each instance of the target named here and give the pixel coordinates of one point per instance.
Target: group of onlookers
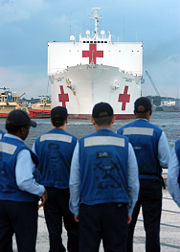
(94, 185)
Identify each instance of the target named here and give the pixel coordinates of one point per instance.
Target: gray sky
(27, 25)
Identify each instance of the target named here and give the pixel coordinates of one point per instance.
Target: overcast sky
(27, 25)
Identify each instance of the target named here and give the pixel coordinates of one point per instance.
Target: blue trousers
(19, 218)
(150, 199)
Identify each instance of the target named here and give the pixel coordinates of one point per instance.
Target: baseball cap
(59, 113)
(142, 105)
(20, 117)
(102, 109)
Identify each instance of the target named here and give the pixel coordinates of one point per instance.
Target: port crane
(157, 101)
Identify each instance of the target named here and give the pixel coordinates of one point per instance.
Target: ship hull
(170, 109)
(39, 113)
(32, 113)
(80, 87)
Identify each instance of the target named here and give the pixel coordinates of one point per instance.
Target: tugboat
(42, 109)
(9, 101)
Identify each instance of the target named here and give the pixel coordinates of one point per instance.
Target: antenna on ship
(96, 21)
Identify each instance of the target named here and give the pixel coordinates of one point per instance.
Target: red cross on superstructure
(63, 97)
(92, 53)
(124, 98)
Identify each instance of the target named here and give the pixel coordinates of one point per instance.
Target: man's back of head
(142, 108)
(59, 116)
(18, 123)
(102, 114)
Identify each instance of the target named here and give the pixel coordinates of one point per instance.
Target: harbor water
(168, 121)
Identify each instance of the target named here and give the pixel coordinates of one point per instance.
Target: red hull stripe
(73, 116)
(117, 116)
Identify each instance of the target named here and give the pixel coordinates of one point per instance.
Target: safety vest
(1, 134)
(144, 138)
(103, 159)
(9, 149)
(54, 150)
(177, 149)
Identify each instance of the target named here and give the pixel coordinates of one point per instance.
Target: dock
(170, 230)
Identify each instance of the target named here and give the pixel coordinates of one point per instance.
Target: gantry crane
(157, 101)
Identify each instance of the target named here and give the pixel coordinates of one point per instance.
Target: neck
(63, 127)
(97, 127)
(146, 115)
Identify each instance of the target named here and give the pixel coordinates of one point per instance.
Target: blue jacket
(54, 151)
(144, 138)
(9, 149)
(103, 168)
(1, 134)
(177, 149)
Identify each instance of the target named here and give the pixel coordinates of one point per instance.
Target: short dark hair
(102, 109)
(142, 105)
(58, 123)
(58, 116)
(102, 113)
(103, 120)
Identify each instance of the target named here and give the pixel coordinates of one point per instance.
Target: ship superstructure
(95, 69)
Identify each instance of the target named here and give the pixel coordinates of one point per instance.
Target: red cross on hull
(63, 97)
(92, 54)
(124, 98)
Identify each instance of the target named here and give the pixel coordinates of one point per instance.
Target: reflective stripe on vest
(7, 148)
(56, 137)
(103, 140)
(138, 131)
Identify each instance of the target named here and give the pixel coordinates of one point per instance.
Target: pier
(170, 230)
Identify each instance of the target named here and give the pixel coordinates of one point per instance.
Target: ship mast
(96, 22)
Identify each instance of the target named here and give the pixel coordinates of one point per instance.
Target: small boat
(42, 109)
(9, 101)
(172, 108)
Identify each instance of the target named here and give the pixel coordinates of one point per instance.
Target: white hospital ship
(95, 69)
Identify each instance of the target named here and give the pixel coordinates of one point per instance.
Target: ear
(113, 119)
(92, 120)
(150, 112)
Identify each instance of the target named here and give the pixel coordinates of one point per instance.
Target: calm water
(168, 121)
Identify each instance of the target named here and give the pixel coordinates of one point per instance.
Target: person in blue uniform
(173, 180)
(19, 191)
(104, 185)
(152, 152)
(1, 134)
(54, 150)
